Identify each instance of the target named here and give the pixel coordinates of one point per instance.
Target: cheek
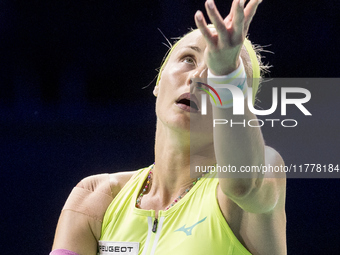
(165, 86)
(174, 75)
(165, 91)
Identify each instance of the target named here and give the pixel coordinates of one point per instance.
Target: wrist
(219, 71)
(237, 78)
(236, 73)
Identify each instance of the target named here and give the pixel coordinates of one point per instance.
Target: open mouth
(187, 102)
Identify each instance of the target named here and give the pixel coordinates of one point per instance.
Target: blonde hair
(251, 58)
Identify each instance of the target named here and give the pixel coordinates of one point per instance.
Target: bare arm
(79, 225)
(259, 219)
(267, 195)
(74, 233)
(239, 145)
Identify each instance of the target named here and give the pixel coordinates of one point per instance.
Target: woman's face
(185, 65)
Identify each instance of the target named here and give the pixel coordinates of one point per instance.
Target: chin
(176, 123)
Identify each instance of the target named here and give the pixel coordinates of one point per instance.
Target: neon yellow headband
(253, 59)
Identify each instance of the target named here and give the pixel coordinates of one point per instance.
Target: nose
(197, 74)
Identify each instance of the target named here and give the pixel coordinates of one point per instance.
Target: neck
(173, 159)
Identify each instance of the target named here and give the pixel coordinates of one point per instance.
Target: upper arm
(74, 233)
(269, 191)
(79, 225)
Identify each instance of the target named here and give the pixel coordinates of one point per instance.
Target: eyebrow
(195, 48)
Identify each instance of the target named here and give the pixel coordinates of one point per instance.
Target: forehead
(194, 38)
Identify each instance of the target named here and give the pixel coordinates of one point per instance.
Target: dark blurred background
(72, 105)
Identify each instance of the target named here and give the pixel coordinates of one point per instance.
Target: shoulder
(93, 194)
(118, 180)
(84, 210)
(108, 184)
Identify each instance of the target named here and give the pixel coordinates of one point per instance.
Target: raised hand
(224, 42)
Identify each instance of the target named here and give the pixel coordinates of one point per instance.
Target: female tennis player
(163, 209)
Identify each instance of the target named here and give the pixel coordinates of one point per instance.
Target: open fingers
(232, 13)
(203, 27)
(216, 18)
(233, 28)
(249, 13)
(238, 21)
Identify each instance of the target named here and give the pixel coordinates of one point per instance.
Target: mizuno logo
(188, 230)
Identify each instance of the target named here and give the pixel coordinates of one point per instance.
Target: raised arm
(239, 145)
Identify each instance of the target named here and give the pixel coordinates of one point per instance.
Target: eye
(189, 60)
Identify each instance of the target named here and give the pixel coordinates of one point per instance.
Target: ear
(156, 90)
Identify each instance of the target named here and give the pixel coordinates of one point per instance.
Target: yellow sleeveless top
(195, 225)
